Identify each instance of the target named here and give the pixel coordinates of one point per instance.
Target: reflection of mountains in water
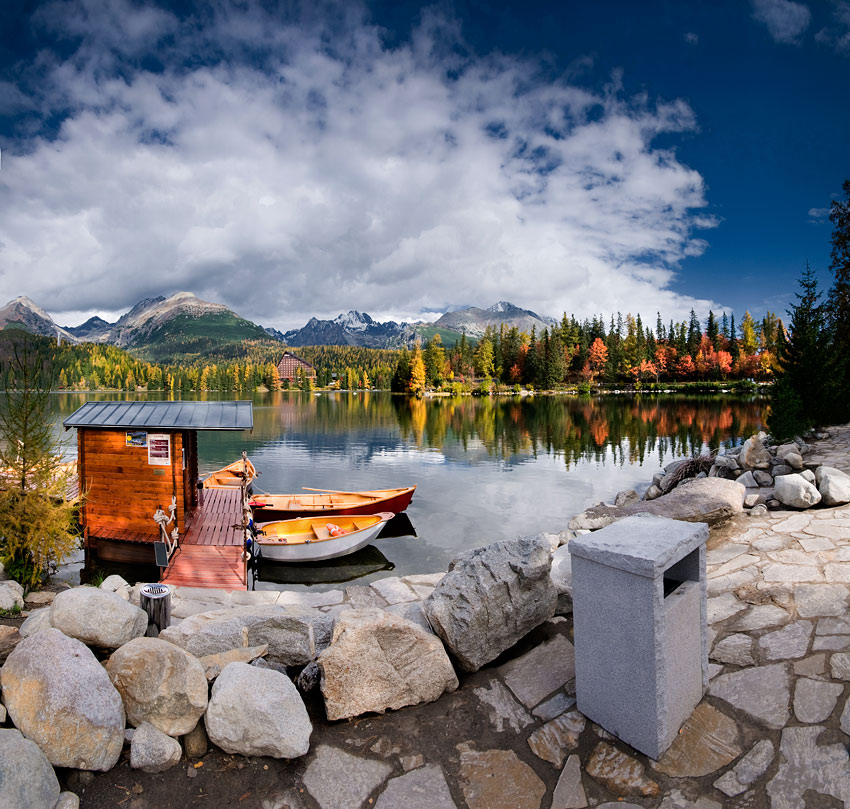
(332, 571)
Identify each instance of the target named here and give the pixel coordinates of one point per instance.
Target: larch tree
(37, 519)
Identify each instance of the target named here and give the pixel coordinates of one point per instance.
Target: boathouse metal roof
(163, 416)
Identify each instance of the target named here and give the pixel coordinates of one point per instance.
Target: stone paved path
(773, 730)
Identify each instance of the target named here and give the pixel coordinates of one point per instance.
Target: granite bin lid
(642, 544)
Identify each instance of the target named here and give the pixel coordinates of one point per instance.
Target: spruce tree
(838, 308)
(694, 334)
(798, 396)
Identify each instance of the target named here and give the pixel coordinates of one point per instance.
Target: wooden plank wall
(123, 490)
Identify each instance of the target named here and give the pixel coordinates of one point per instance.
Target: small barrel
(201, 493)
(155, 600)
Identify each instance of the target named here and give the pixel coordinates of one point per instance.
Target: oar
(327, 491)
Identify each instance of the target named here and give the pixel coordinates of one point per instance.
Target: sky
(297, 159)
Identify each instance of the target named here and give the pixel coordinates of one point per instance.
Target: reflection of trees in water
(579, 428)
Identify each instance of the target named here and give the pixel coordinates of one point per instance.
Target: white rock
(27, 780)
(11, 595)
(796, 491)
(257, 712)
(152, 750)
(834, 485)
(37, 620)
(97, 617)
(116, 584)
(58, 695)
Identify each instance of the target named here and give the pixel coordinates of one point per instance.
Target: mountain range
(184, 324)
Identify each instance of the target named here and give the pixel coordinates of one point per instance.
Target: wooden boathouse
(139, 459)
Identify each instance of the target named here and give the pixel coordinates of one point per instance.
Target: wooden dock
(210, 555)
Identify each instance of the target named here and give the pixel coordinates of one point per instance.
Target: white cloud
(691, 38)
(818, 214)
(326, 171)
(838, 36)
(785, 19)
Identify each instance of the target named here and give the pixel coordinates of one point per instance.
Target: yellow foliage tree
(37, 521)
(416, 385)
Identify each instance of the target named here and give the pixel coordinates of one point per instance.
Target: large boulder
(58, 695)
(796, 491)
(97, 617)
(27, 780)
(708, 500)
(379, 661)
(152, 750)
(491, 597)
(833, 485)
(9, 639)
(294, 635)
(562, 578)
(257, 712)
(160, 683)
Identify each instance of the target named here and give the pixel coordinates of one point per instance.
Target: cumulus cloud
(691, 38)
(304, 166)
(785, 19)
(818, 214)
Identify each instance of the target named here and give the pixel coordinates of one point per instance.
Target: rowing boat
(310, 539)
(231, 476)
(270, 507)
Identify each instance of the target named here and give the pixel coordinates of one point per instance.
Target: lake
(485, 468)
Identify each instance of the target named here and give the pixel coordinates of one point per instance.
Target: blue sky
(400, 159)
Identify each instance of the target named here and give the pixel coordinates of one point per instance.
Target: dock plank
(217, 566)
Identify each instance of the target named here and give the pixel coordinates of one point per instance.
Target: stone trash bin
(641, 639)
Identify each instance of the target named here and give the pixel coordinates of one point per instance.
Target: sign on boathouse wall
(159, 449)
(136, 438)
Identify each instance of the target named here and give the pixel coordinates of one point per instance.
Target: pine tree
(838, 308)
(798, 396)
(712, 331)
(694, 334)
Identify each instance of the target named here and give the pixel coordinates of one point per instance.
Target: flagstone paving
(771, 732)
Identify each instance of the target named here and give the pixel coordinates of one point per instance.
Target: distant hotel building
(291, 367)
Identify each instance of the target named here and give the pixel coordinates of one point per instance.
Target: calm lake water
(486, 469)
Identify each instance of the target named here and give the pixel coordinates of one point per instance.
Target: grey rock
(651, 493)
(411, 611)
(309, 677)
(338, 779)
(781, 469)
(735, 649)
(762, 478)
(754, 454)
(794, 460)
(839, 666)
(541, 671)
(562, 577)
(758, 510)
(196, 742)
(709, 500)
(11, 595)
(805, 765)
(58, 695)
(27, 780)
(833, 485)
(569, 792)
(378, 661)
(491, 597)
(116, 584)
(815, 700)
(783, 449)
(790, 642)
(67, 800)
(818, 600)
(762, 692)
(556, 738)
(747, 771)
(808, 475)
(751, 500)
(727, 462)
(796, 491)
(37, 620)
(626, 496)
(152, 750)
(748, 479)
(294, 634)
(676, 800)
(359, 596)
(393, 590)
(498, 779)
(554, 706)
(97, 617)
(257, 712)
(424, 788)
(159, 683)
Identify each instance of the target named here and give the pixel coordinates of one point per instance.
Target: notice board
(159, 449)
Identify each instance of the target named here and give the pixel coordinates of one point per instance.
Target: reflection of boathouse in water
(137, 457)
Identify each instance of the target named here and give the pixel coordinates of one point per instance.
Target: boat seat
(321, 532)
